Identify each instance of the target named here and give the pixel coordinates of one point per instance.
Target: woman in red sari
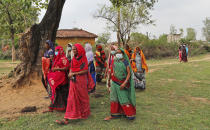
(57, 81)
(81, 82)
(100, 58)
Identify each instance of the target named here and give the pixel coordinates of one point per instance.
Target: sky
(181, 13)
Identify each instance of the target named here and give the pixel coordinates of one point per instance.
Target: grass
(177, 98)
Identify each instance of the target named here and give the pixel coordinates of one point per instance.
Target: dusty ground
(13, 100)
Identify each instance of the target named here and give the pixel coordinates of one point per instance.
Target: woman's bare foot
(62, 122)
(109, 118)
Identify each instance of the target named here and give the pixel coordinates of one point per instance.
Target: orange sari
(143, 61)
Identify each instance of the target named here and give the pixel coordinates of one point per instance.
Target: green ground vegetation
(177, 98)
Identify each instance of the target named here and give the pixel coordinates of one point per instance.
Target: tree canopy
(206, 29)
(124, 16)
(17, 15)
(191, 34)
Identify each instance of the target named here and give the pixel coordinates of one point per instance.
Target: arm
(127, 78)
(51, 57)
(71, 74)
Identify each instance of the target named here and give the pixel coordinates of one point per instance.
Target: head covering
(131, 89)
(51, 44)
(98, 47)
(79, 62)
(89, 52)
(69, 49)
(111, 57)
(143, 59)
(60, 55)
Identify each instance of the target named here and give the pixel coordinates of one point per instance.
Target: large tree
(124, 16)
(206, 29)
(32, 44)
(16, 16)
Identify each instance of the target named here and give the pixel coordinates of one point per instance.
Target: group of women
(69, 79)
(67, 83)
(183, 53)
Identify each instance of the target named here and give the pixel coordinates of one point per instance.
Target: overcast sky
(181, 13)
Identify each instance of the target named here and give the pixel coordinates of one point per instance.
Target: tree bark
(118, 27)
(13, 47)
(32, 43)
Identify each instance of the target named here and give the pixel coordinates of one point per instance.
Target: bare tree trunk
(118, 27)
(13, 47)
(32, 44)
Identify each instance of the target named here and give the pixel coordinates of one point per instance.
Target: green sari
(124, 97)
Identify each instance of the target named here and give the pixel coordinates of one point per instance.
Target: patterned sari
(123, 102)
(58, 82)
(139, 67)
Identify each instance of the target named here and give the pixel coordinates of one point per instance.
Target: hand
(109, 84)
(71, 75)
(122, 86)
(54, 69)
(140, 71)
(109, 90)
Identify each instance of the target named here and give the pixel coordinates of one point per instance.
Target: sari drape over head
(58, 78)
(78, 101)
(122, 101)
(143, 61)
(100, 57)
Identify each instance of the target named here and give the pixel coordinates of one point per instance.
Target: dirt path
(190, 61)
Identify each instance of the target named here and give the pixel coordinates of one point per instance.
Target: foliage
(206, 29)
(138, 38)
(124, 16)
(173, 29)
(191, 34)
(177, 97)
(16, 16)
(160, 48)
(6, 55)
(103, 38)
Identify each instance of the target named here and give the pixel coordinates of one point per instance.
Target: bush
(160, 48)
(6, 55)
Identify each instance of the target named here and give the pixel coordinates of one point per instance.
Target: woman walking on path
(109, 65)
(180, 53)
(139, 66)
(122, 94)
(57, 81)
(91, 66)
(81, 82)
(100, 58)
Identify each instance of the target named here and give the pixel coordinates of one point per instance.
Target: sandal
(109, 118)
(62, 122)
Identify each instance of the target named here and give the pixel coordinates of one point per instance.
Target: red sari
(100, 57)
(58, 78)
(78, 100)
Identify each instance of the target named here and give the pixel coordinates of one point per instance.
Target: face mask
(56, 53)
(113, 52)
(69, 48)
(119, 56)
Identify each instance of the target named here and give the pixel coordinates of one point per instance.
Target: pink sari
(180, 56)
(78, 106)
(58, 78)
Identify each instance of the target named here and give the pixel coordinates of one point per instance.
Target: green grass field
(177, 98)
